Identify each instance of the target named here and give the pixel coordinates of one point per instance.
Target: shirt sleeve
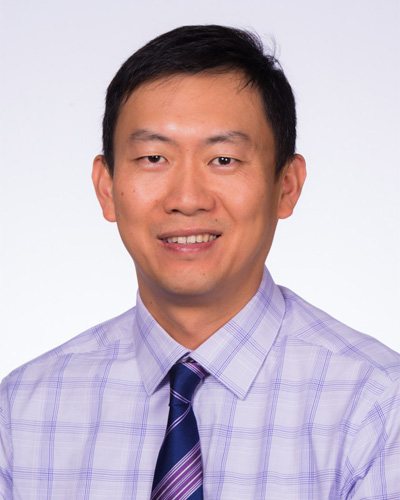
(373, 464)
(5, 446)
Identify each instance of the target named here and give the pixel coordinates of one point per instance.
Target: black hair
(195, 49)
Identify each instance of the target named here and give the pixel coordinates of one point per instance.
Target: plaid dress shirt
(296, 406)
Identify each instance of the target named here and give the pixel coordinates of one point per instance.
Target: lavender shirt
(296, 406)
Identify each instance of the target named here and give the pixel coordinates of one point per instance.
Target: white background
(63, 268)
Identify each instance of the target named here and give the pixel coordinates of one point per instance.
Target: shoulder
(98, 342)
(305, 323)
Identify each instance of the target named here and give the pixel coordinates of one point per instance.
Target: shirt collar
(156, 351)
(236, 352)
(233, 355)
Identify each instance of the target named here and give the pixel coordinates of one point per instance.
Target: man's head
(216, 49)
(190, 172)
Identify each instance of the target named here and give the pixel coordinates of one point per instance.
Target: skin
(194, 155)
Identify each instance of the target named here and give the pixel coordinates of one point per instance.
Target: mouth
(191, 239)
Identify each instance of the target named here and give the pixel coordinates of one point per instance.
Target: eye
(153, 158)
(223, 161)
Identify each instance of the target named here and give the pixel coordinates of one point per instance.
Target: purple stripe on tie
(197, 369)
(177, 422)
(178, 467)
(178, 477)
(190, 483)
(188, 467)
(181, 481)
(194, 487)
(185, 487)
(179, 396)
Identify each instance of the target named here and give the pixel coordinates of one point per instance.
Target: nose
(189, 190)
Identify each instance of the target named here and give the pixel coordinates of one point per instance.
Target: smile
(194, 238)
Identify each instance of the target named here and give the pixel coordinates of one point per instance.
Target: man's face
(194, 191)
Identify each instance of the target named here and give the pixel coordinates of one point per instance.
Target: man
(270, 397)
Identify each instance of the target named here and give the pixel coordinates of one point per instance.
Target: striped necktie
(179, 470)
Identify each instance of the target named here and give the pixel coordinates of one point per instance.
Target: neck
(190, 321)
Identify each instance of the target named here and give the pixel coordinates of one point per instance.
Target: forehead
(193, 104)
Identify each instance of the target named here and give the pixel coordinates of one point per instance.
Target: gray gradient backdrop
(63, 268)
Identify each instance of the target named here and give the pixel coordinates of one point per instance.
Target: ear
(103, 184)
(292, 181)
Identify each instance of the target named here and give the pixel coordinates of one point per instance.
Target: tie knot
(183, 379)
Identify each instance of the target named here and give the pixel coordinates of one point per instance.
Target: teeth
(193, 238)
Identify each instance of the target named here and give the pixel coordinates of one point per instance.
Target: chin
(184, 289)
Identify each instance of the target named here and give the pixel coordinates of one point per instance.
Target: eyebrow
(148, 135)
(231, 136)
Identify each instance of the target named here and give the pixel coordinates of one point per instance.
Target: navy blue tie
(179, 469)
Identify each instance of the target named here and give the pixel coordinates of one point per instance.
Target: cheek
(134, 207)
(123, 209)
(258, 202)
(260, 216)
